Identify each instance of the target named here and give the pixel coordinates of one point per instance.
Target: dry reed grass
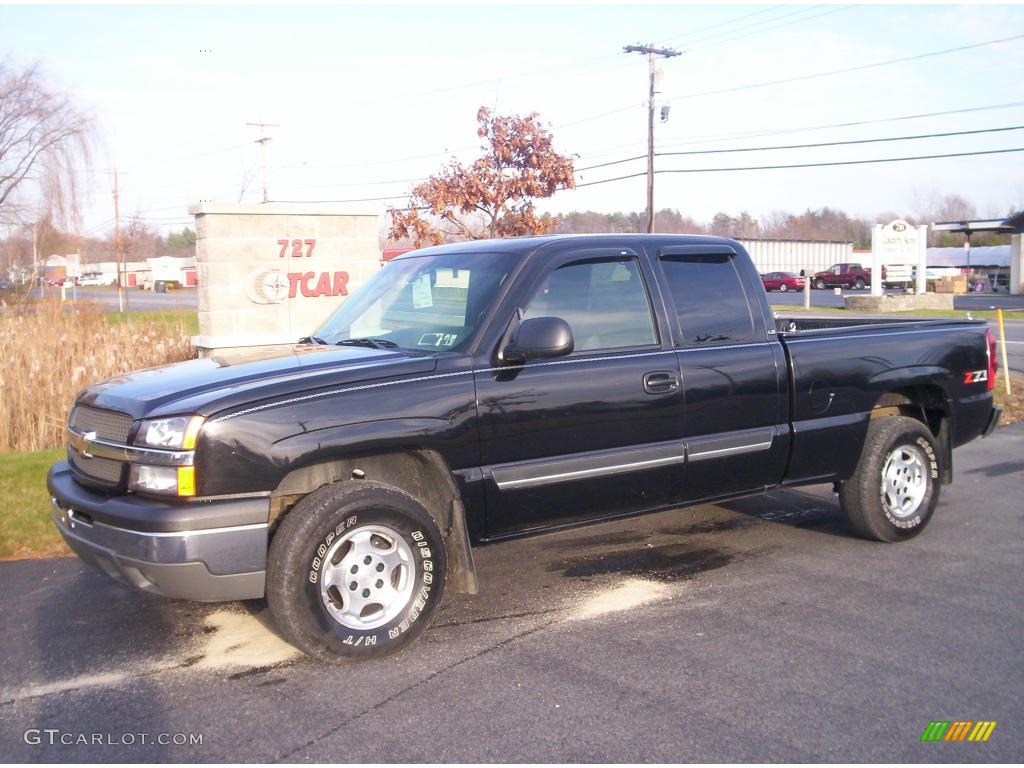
(48, 354)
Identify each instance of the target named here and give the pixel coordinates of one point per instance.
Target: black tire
(873, 506)
(341, 522)
(858, 284)
(783, 287)
(820, 284)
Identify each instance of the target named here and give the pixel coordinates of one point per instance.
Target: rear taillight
(993, 361)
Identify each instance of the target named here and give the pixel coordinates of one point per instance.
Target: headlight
(174, 481)
(177, 433)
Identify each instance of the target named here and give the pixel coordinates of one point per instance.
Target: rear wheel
(356, 569)
(858, 284)
(895, 487)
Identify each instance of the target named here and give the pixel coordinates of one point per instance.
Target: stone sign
(898, 242)
(272, 273)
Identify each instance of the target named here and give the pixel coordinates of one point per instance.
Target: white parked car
(93, 279)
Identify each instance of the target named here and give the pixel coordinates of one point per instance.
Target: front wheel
(783, 287)
(819, 284)
(895, 487)
(356, 569)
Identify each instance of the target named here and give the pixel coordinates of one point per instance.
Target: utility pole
(117, 248)
(651, 52)
(262, 141)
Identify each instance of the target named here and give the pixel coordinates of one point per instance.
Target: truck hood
(212, 384)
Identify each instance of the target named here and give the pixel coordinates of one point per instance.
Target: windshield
(429, 303)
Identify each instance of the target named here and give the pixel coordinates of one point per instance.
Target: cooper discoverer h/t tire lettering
(356, 570)
(895, 487)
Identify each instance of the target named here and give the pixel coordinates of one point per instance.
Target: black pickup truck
(473, 392)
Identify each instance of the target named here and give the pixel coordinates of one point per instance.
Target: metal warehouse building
(794, 255)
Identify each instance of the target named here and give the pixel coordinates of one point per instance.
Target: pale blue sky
(369, 97)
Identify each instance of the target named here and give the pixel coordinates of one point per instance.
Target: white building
(795, 255)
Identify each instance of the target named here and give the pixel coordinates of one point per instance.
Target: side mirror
(539, 337)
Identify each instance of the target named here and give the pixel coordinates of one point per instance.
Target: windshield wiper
(372, 343)
(311, 340)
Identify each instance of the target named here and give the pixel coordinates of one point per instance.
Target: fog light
(154, 479)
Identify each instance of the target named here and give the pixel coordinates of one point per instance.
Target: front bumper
(205, 549)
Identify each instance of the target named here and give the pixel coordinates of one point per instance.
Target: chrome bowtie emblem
(88, 437)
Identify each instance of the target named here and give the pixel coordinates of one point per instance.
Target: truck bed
(801, 324)
(839, 368)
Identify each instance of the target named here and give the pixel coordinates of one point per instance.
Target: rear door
(733, 372)
(595, 433)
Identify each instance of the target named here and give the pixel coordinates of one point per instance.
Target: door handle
(659, 382)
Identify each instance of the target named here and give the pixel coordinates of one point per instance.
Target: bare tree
(139, 241)
(44, 139)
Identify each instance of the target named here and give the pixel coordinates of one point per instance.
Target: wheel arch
(422, 473)
(929, 404)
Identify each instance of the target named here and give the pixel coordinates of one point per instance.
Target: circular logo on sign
(898, 226)
(266, 286)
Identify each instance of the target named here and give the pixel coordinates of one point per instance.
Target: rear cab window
(711, 302)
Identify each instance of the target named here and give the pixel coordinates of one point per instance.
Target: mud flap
(461, 568)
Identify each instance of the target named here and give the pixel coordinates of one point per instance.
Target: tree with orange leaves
(494, 196)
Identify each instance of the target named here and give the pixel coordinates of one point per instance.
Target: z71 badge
(973, 377)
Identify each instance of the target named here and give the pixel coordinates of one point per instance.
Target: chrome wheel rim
(367, 577)
(904, 481)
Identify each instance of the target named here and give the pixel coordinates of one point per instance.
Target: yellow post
(1002, 342)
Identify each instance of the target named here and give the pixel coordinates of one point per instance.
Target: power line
(350, 200)
(845, 70)
(849, 124)
(799, 78)
(692, 152)
(804, 165)
(804, 146)
(691, 140)
(156, 164)
(721, 23)
(725, 33)
(356, 184)
(698, 152)
(776, 26)
(843, 143)
(611, 162)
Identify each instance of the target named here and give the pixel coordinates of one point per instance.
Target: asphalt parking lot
(964, 302)
(136, 299)
(753, 630)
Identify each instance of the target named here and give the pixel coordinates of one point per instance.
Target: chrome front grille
(108, 425)
(105, 470)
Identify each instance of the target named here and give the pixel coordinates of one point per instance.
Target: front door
(595, 433)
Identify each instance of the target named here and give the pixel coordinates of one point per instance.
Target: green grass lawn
(169, 317)
(25, 527)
